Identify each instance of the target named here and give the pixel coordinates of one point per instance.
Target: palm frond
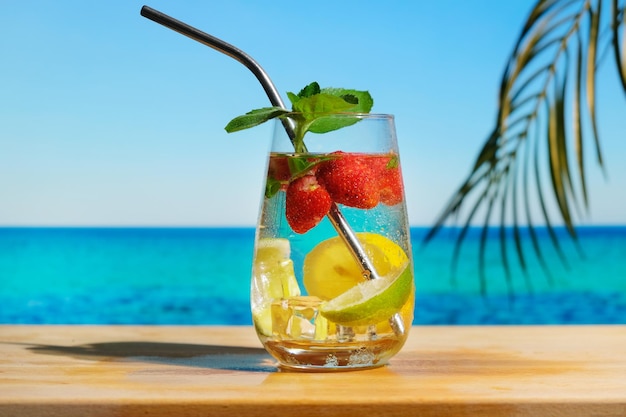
(546, 109)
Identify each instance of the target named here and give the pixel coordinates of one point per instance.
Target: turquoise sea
(201, 276)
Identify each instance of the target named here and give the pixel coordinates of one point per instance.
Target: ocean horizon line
(226, 226)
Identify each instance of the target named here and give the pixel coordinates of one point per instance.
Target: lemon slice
(330, 269)
(272, 278)
(370, 302)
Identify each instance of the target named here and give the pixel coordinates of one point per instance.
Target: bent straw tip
(147, 11)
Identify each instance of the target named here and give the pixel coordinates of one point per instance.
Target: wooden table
(206, 370)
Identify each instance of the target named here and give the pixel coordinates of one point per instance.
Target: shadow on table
(235, 358)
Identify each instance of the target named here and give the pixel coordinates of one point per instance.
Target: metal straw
(336, 218)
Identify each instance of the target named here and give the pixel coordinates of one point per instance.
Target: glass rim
(347, 114)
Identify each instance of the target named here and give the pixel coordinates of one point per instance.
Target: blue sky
(108, 118)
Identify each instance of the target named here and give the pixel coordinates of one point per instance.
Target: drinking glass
(316, 303)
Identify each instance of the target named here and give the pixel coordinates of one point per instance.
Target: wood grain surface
(211, 371)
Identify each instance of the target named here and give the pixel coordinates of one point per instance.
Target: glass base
(338, 356)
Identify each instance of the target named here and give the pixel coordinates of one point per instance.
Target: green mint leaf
(325, 124)
(311, 106)
(364, 103)
(302, 165)
(310, 90)
(394, 162)
(293, 98)
(272, 186)
(254, 118)
(345, 101)
(297, 167)
(350, 98)
(313, 114)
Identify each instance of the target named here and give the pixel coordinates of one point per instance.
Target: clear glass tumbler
(332, 281)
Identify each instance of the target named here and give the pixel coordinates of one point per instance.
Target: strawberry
(349, 180)
(306, 203)
(387, 170)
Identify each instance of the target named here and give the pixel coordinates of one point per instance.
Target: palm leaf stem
(577, 125)
(620, 56)
(591, 75)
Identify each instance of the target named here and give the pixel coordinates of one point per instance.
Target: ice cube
(298, 318)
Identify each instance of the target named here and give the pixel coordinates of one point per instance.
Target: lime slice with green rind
(372, 301)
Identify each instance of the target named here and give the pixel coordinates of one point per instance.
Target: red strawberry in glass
(306, 203)
(389, 178)
(349, 180)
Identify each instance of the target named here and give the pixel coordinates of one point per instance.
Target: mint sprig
(312, 110)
